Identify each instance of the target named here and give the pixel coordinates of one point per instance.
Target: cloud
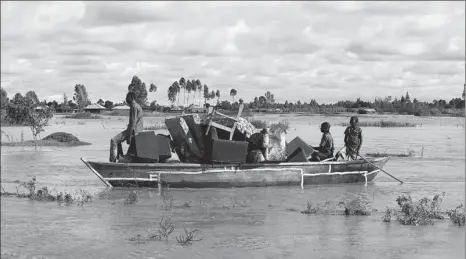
(298, 50)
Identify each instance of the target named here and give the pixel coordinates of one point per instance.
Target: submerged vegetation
(421, 213)
(409, 153)
(44, 194)
(82, 116)
(382, 124)
(457, 215)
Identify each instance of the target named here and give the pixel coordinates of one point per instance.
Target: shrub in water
(457, 215)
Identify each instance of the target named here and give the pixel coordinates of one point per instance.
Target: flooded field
(241, 222)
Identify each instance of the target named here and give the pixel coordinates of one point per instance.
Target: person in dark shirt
(325, 149)
(353, 139)
(135, 125)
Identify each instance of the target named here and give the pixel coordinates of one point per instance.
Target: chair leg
(207, 131)
(232, 132)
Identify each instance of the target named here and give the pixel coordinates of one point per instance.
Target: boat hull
(155, 175)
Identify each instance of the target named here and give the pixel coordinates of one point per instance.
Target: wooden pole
(381, 169)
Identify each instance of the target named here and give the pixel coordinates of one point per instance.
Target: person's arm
(346, 137)
(131, 124)
(360, 142)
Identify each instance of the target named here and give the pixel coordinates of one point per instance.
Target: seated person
(257, 147)
(325, 149)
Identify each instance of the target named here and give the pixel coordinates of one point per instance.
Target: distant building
(366, 111)
(121, 108)
(94, 108)
(197, 109)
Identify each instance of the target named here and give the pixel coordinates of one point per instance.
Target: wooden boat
(183, 175)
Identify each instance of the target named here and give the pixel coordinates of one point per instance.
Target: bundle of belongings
(193, 139)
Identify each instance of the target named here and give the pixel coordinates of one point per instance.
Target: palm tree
(199, 88)
(463, 90)
(218, 95)
(206, 94)
(233, 93)
(183, 86)
(213, 94)
(193, 88)
(176, 91)
(189, 87)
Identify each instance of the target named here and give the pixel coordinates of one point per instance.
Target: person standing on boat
(353, 139)
(326, 148)
(135, 125)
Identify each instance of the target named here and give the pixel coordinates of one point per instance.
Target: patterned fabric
(255, 156)
(353, 135)
(242, 126)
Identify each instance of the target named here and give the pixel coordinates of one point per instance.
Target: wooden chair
(212, 123)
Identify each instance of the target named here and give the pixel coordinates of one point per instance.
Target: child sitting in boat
(257, 147)
(325, 149)
(353, 139)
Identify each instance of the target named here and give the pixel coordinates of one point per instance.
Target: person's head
(130, 97)
(325, 127)
(354, 121)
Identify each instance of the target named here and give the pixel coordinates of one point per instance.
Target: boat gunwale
(256, 165)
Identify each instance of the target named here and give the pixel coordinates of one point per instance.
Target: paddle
(380, 168)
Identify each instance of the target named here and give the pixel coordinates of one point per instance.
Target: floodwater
(236, 222)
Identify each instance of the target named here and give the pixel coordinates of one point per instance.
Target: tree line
(193, 88)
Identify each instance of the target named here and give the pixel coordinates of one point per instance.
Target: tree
(139, 89)
(463, 90)
(233, 94)
(153, 105)
(194, 89)
(31, 97)
(407, 98)
(241, 101)
(262, 101)
(80, 96)
(213, 94)
(4, 98)
(188, 87)
(183, 86)
(65, 99)
(176, 91)
(172, 92)
(108, 104)
(206, 94)
(217, 93)
(18, 98)
(199, 88)
(101, 102)
(152, 88)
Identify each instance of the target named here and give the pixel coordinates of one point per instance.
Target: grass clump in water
(457, 215)
(356, 206)
(82, 116)
(132, 197)
(189, 236)
(310, 209)
(409, 153)
(382, 124)
(165, 229)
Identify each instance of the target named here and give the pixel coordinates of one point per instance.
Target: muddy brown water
(261, 224)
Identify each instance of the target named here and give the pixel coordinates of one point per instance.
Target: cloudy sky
(327, 51)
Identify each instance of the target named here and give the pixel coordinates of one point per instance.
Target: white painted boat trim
(95, 172)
